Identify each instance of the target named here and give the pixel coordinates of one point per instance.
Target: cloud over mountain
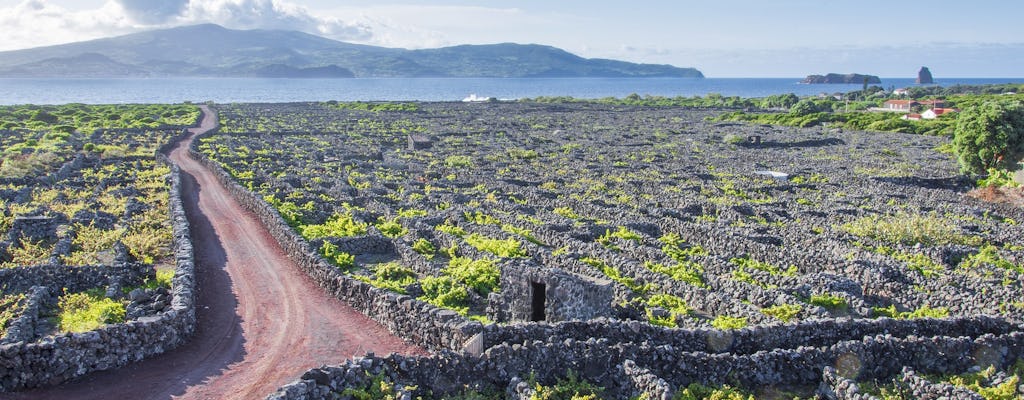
(39, 22)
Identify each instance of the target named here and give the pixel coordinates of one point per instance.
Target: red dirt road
(261, 320)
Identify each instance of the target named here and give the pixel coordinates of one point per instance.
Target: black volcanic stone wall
(59, 358)
(628, 367)
(411, 319)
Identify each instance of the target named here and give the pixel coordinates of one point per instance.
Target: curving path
(261, 320)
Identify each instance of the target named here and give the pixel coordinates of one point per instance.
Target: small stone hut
(530, 293)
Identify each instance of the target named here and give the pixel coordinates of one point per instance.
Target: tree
(990, 135)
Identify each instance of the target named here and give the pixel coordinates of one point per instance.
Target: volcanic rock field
(644, 249)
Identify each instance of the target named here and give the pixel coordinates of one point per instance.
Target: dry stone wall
(59, 358)
(411, 319)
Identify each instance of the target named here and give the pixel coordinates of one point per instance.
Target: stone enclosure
(666, 255)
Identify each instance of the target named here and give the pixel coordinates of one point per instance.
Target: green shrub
(451, 229)
(164, 277)
(457, 161)
(615, 275)
(747, 262)
(481, 275)
(675, 305)
(392, 276)
(829, 302)
(990, 135)
(689, 272)
(480, 218)
(783, 312)
(445, 292)
(506, 248)
(339, 225)
(11, 306)
(910, 229)
(568, 388)
(989, 255)
(696, 391)
(81, 312)
(922, 312)
(727, 322)
(981, 383)
(567, 212)
(344, 261)
(391, 227)
(522, 232)
(424, 247)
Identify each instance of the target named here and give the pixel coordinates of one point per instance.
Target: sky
(722, 38)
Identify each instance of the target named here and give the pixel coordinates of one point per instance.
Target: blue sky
(723, 38)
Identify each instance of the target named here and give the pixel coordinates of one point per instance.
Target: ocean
(257, 90)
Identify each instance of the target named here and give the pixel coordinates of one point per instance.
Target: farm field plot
(643, 214)
(85, 228)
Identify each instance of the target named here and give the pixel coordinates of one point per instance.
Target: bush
(505, 248)
(727, 322)
(444, 291)
(783, 312)
(82, 312)
(568, 388)
(424, 247)
(829, 302)
(696, 391)
(909, 229)
(990, 135)
(339, 225)
(480, 275)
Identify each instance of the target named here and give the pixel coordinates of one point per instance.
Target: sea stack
(924, 76)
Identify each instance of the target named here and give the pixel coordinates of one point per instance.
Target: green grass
(86, 311)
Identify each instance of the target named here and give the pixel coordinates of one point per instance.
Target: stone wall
(59, 358)
(419, 322)
(624, 368)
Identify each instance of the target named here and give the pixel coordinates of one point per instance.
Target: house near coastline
(901, 92)
(907, 105)
(932, 113)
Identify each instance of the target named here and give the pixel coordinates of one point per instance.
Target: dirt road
(262, 322)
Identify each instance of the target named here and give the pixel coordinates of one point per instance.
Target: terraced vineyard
(651, 221)
(85, 221)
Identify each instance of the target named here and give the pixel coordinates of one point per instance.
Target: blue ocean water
(250, 90)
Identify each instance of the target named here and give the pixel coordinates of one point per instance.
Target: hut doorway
(538, 301)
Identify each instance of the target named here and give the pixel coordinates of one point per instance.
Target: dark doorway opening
(538, 300)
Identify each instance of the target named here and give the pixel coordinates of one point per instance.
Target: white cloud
(33, 23)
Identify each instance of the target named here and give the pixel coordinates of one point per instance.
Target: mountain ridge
(212, 50)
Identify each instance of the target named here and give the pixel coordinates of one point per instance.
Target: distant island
(210, 50)
(841, 78)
